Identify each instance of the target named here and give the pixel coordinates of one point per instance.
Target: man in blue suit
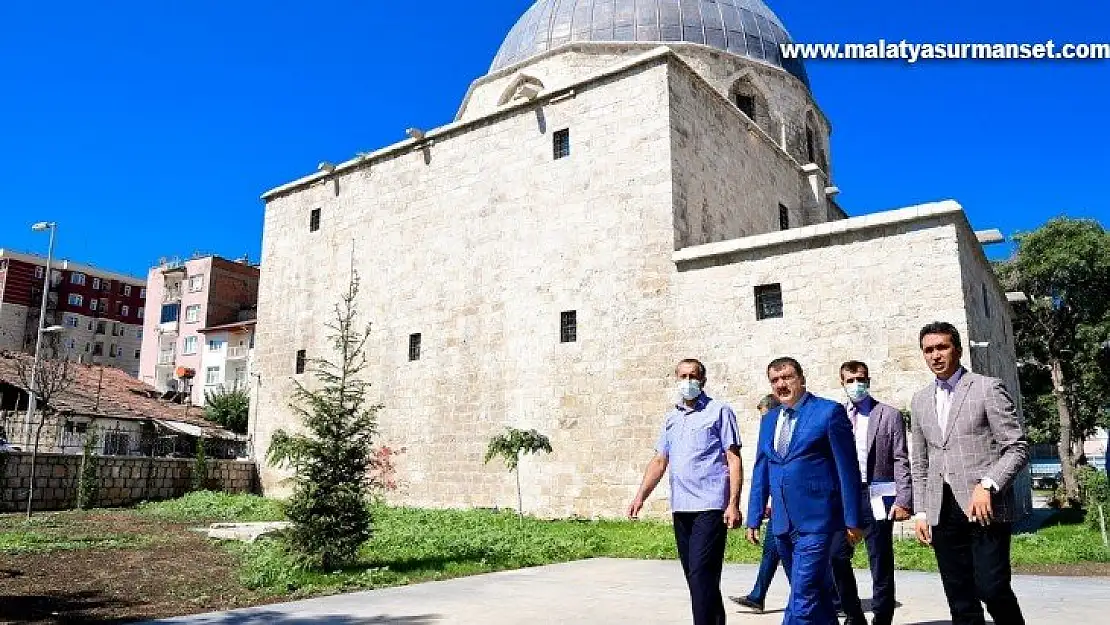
(806, 461)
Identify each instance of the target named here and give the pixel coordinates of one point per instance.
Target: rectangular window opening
(561, 140)
(768, 301)
(301, 360)
(314, 220)
(746, 104)
(568, 327)
(784, 217)
(414, 347)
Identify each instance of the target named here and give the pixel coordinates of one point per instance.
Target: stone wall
(123, 480)
(13, 323)
(480, 243)
(729, 180)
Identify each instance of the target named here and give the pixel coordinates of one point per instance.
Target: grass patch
(411, 545)
(209, 506)
(59, 533)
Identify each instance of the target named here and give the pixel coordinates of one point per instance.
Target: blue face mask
(857, 391)
(689, 389)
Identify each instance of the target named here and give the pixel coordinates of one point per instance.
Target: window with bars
(116, 443)
(561, 141)
(414, 347)
(768, 301)
(302, 360)
(314, 220)
(784, 217)
(568, 326)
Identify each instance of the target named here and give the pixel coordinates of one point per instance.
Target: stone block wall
(123, 480)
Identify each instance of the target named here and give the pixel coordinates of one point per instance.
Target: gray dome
(743, 27)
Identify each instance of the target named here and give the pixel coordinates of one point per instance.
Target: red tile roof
(120, 395)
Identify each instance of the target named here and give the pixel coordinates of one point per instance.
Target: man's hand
(898, 513)
(635, 507)
(924, 534)
(981, 512)
(753, 535)
(733, 518)
(854, 535)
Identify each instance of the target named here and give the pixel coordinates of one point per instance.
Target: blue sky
(127, 122)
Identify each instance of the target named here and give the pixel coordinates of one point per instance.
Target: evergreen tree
(332, 457)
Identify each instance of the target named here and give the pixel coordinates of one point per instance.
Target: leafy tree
(53, 376)
(333, 458)
(509, 446)
(228, 407)
(1064, 268)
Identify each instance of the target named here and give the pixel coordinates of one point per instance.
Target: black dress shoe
(747, 602)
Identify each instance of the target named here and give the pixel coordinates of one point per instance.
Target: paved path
(606, 591)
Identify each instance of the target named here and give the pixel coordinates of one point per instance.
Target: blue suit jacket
(815, 487)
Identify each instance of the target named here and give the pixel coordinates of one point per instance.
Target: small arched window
(750, 98)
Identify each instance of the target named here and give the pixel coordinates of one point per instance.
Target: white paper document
(881, 493)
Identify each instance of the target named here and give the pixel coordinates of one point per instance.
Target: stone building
(623, 189)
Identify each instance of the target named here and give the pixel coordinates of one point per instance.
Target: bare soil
(177, 572)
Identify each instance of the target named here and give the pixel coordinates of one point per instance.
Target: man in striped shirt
(700, 444)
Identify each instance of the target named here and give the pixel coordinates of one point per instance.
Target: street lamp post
(39, 227)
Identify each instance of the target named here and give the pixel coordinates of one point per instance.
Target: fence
(120, 481)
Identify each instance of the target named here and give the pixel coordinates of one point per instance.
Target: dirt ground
(178, 572)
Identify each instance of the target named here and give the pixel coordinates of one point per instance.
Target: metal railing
(238, 352)
(166, 358)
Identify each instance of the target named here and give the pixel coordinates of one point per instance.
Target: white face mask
(689, 389)
(857, 391)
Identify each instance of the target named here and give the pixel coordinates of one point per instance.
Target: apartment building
(199, 316)
(101, 312)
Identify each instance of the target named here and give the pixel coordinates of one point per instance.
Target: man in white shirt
(968, 447)
(885, 468)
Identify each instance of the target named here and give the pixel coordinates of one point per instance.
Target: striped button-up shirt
(694, 440)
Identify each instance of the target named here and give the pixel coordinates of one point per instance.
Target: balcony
(166, 358)
(172, 294)
(238, 352)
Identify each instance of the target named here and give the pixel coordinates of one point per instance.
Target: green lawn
(411, 545)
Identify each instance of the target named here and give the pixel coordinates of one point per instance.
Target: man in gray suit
(968, 446)
(885, 467)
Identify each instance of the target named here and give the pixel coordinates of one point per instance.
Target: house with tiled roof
(124, 416)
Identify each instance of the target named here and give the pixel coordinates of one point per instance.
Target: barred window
(568, 327)
(768, 301)
(314, 220)
(302, 358)
(414, 347)
(561, 141)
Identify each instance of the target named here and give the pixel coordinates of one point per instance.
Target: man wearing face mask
(884, 465)
(700, 443)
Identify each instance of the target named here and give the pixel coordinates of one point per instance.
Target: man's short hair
(855, 366)
(702, 371)
(786, 360)
(769, 402)
(941, 327)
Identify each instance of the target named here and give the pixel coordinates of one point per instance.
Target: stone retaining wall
(123, 480)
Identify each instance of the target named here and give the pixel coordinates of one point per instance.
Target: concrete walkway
(606, 591)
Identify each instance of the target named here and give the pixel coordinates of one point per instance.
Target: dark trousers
(805, 559)
(879, 539)
(767, 566)
(974, 563)
(701, 538)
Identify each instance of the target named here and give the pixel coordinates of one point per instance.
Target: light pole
(53, 228)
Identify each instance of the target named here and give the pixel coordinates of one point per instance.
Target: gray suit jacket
(887, 458)
(984, 439)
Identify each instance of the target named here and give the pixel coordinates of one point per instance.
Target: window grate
(561, 141)
(768, 301)
(568, 327)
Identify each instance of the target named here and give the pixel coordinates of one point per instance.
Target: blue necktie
(783, 441)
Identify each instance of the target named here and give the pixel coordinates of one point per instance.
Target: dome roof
(743, 27)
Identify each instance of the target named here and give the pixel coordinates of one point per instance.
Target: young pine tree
(332, 457)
